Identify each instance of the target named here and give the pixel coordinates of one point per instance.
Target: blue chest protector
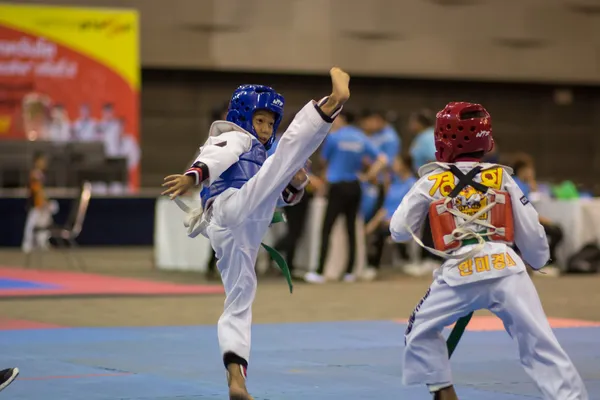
(238, 174)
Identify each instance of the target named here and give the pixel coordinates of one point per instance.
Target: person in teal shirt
(524, 177)
(422, 149)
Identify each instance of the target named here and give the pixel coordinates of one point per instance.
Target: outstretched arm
(216, 156)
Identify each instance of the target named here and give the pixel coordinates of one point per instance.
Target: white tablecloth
(173, 250)
(579, 219)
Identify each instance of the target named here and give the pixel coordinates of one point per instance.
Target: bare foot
(237, 383)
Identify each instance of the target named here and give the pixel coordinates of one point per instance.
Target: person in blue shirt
(296, 217)
(524, 177)
(385, 138)
(343, 152)
(422, 149)
(403, 180)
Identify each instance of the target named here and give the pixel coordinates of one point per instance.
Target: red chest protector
(496, 224)
(470, 210)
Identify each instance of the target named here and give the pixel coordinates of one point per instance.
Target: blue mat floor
(342, 360)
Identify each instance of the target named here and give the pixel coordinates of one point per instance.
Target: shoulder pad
(218, 128)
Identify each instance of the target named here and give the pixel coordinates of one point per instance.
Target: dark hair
(424, 117)
(372, 112)
(108, 106)
(217, 112)
(38, 155)
(349, 116)
(519, 166)
(406, 159)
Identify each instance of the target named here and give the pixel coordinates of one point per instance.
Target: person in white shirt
(84, 128)
(59, 127)
(109, 131)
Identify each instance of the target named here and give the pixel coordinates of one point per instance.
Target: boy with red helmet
(477, 213)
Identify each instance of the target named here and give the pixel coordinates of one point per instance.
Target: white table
(173, 250)
(579, 219)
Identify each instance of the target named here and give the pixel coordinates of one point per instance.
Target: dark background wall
(553, 42)
(564, 139)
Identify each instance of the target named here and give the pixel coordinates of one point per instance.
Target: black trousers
(376, 249)
(296, 222)
(344, 199)
(554, 234)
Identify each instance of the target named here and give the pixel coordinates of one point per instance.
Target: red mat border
(82, 283)
(492, 323)
(19, 324)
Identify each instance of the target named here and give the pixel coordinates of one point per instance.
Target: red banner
(69, 74)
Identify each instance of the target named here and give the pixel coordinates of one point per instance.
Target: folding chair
(66, 235)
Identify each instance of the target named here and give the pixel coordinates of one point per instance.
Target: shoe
(431, 265)
(349, 278)
(369, 274)
(298, 274)
(416, 269)
(313, 277)
(7, 376)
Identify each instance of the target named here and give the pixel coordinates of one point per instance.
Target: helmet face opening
(247, 99)
(463, 129)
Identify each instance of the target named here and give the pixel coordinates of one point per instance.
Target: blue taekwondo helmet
(247, 99)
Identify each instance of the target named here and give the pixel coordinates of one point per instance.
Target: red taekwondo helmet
(462, 129)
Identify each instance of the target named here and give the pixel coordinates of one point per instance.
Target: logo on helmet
(483, 133)
(277, 102)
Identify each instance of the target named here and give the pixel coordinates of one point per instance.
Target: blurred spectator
(492, 157)
(422, 149)
(128, 146)
(109, 131)
(402, 181)
(524, 177)
(385, 138)
(343, 151)
(40, 210)
(59, 127)
(84, 128)
(296, 216)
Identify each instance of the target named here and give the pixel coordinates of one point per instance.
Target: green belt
(457, 332)
(461, 324)
(467, 242)
(279, 216)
